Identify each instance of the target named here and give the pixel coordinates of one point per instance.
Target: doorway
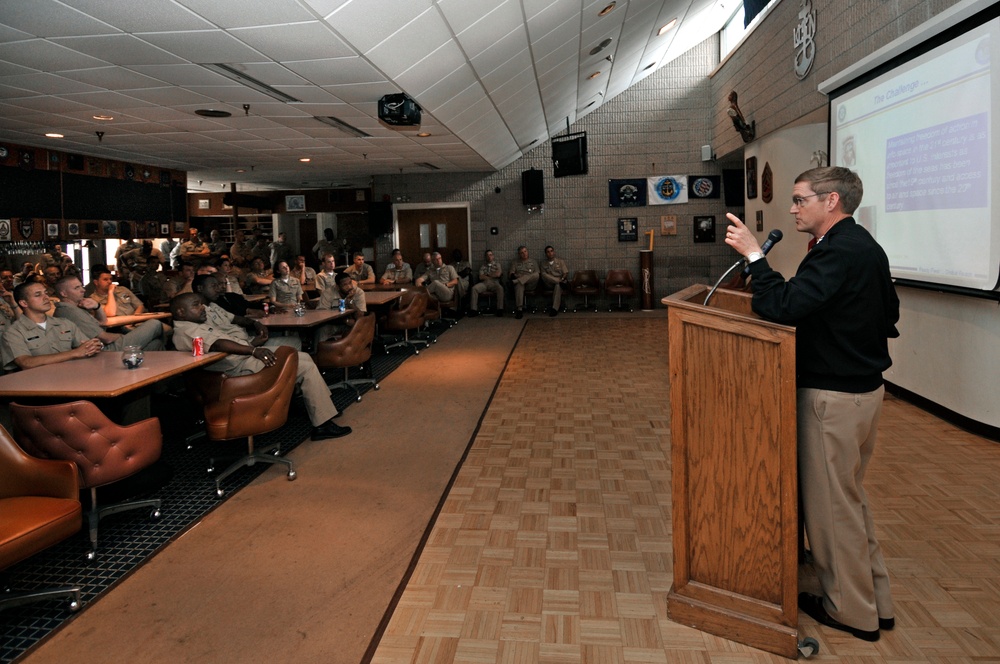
(441, 227)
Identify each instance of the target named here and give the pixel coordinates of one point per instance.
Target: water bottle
(343, 305)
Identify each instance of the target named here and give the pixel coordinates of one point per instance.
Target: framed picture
(110, 228)
(52, 229)
(668, 224)
(179, 227)
(73, 229)
(295, 203)
(165, 230)
(628, 229)
(704, 229)
(92, 229)
(751, 177)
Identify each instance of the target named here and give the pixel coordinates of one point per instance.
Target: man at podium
(844, 306)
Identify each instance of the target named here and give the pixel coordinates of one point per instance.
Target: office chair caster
(808, 647)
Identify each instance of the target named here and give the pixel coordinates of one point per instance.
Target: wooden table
(102, 376)
(255, 297)
(312, 319)
(135, 319)
(378, 298)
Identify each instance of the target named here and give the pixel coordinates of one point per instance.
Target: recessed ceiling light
(607, 10)
(212, 113)
(594, 75)
(54, 135)
(104, 118)
(305, 160)
(423, 134)
(666, 27)
(241, 170)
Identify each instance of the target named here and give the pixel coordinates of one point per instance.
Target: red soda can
(266, 309)
(198, 346)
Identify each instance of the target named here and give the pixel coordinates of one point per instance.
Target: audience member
(441, 281)
(422, 268)
(239, 252)
(464, 271)
(248, 355)
(326, 245)
(353, 297)
(123, 269)
(555, 275)
(398, 271)
(90, 317)
(282, 251)
(116, 300)
(167, 248)
(490, 273)
(523, 274)
(284, 290)
(194, 248)
(361, 271)
(36, 339)
(216, 245)
(305, 274)
(26, 273)
(257, 280)
(327, 276)
(229, 275)
(210, 287)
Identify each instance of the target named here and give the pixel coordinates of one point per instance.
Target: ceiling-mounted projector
(398, 109)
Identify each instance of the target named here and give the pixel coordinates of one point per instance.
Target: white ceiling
(492, 77)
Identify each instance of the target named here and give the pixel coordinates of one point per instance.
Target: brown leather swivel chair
(354, 349)
(409, 316)
(104, 452)
(40, 504)
(585, 283)
(246, 406)
(620, 283)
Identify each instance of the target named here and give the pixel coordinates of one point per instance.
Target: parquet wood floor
(554, 545)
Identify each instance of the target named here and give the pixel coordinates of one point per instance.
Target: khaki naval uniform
(525, 276)
(489, 280)
(26, 337)
(554, 275)
(147, 335)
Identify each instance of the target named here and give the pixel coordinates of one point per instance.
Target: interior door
(431, 229)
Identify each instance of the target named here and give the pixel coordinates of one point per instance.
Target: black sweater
(843, 305)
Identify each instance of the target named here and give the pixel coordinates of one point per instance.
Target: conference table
(312, 319)
(121, 393)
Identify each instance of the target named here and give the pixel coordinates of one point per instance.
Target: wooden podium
(735, 500)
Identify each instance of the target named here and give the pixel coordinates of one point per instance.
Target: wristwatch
(754, 256)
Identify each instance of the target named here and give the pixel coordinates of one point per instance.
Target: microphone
(773, 238)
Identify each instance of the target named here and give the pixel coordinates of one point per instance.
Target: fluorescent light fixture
(54, 135)
(428, 165)
(305, 160)
(234, 74)
(342, 126)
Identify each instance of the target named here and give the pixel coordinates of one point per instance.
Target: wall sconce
(747, 131)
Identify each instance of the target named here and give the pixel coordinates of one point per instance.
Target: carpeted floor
(304, 570)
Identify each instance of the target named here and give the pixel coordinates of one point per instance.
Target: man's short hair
(97, 270)
(359, 253)
(549, 246)
(520, 248)
(63, 280)
(342, 276)
(182, 301)
(435, 254)
(842, 180)
(20, 288)
(199, 281)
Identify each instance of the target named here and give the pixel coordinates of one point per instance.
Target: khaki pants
(836, 438)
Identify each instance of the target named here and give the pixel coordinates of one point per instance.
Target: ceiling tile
(123, 14)
(48, 56)
(414, 42)
(120, 50)
(245, 13)
(481, 35)
(367, 23)
(203, 46)
(48, 18)
(336, 71)
(113, 78)
(429, 71)
(298, 41)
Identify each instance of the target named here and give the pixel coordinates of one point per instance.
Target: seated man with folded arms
(36, 339)
(88, 315)
(398, 271)
(441, 280)
(523, 274)
(361, 271)
(489, 280)
(555, 275)
(305, 274)
(248, 355)
(421, 268)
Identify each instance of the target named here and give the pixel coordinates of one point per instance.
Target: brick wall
(657, 128)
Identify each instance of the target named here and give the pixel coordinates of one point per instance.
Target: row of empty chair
(618, 286)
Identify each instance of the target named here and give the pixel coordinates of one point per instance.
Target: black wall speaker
(569, 155)
(532, 187)
(732, 187)
(379, 218)
(398, 109)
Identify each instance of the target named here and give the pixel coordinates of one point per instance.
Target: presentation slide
(921, 138)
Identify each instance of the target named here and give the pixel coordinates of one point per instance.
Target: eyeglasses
(798, 201)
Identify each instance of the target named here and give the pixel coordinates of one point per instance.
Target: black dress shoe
(329, 429)
(499, 313)
(552, 312)
(473, 313)
(888, 624)
(813, 607)
(520, 314)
